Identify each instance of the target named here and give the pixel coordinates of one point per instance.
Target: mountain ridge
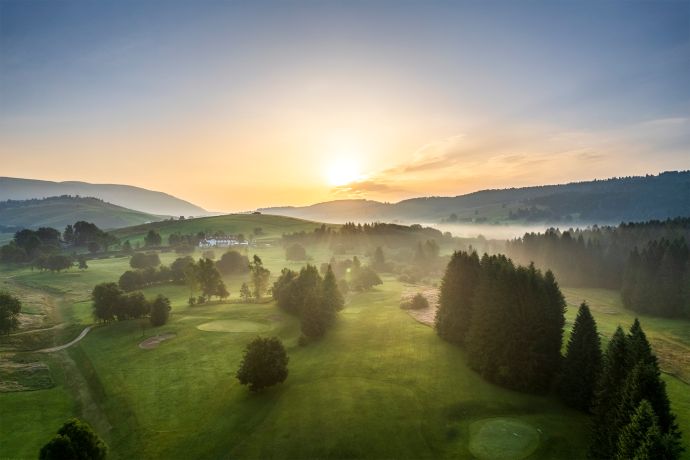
(59, 211)
(612, 200)
(127, 196)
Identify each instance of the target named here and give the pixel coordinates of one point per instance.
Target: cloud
(365, 187)
(521, 155)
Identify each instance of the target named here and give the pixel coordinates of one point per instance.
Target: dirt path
(67, 345)
(32, 331)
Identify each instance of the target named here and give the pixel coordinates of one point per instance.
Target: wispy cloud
(522, 155)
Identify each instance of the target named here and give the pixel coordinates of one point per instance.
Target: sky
(236, 105)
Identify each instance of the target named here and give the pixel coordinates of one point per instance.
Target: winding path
(69, 344)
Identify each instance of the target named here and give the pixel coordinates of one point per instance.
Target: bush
(232, 262)
(141, 260)
(418, 302)
(75, 440)
(160, 311)
(296, 252)
(264, 363)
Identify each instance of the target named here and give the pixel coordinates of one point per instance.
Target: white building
(221, 242)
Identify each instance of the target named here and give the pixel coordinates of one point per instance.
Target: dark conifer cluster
(510, 319)
(316, 300)
(632, 412)
(648, 261)
(657, 279)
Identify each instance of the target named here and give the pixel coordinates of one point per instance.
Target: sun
(342, 171)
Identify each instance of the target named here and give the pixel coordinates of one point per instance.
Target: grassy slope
(379, 385)
(60, 212)
(272, 226)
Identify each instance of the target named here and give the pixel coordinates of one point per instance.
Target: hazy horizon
(234, 106)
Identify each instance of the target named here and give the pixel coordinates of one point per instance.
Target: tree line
(41, 247)
(509, 319)
(631, 257)
(112, 303)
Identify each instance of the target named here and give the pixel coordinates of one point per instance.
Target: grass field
(233, 224)
(379, 385)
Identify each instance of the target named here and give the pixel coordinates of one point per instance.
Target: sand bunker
(425, 315)
(153, 342)
(233, 325)
(503, 439)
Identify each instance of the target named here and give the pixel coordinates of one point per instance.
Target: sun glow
(343, 171)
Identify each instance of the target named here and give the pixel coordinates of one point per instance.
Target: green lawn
(379, 385)
(272, 226)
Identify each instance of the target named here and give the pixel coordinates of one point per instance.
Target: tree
(130, 280)
(152, 239)
(616, 365)
(144, 260)
(379, 260)
(515, 337)
(68, 234)
(209, 279)
(58, 448)
(364, 279)
(313, 321)
(644, 383)
(106, 299)
(82, 263)
(332, 298)
(233, 262)
(127, 247)
(10, 306)
(75, 440)
(456, 298)
(641, 439)
(296, 252)
(179, 267)
(259, 276)
(582, 363)
(285, 291)
(93, 247)
(245, 293)
(160, 310)
(264, 363)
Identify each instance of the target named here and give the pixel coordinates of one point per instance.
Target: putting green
(233, 325)
(503, 439)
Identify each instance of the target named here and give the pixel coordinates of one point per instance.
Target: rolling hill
(232, 224)
(59, 211)
(609, 201)
(140, 199)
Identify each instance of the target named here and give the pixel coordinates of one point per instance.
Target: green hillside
(57, 212)
(231, 224)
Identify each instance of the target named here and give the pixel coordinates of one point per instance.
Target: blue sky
(413, 98)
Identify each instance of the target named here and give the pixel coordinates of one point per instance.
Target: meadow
(379, 385)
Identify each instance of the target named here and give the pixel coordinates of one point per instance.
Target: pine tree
(641, 439)
(582, 363)
(456, 298)
(313, 322)
(640, 349)
(644, 383)
(615, 368)
(333, 300)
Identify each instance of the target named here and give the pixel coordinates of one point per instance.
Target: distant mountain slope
(59, 211)
(599, 201)
(128, 196)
